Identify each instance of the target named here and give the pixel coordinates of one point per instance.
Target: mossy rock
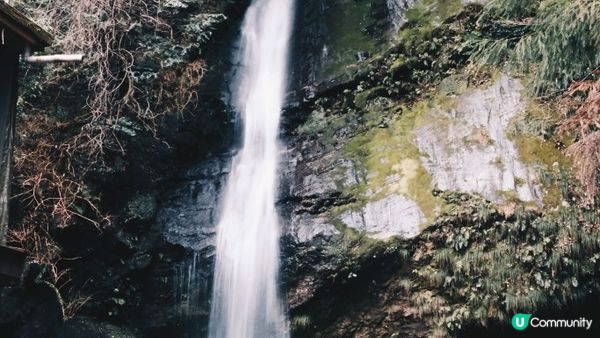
(362, 98)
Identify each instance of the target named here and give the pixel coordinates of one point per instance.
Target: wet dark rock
(125, 240)
(345, 295)
(132, 266)
(142, 207)
(33, 309)
(308, 189)
(189, 212)
(140, 261)
(308, 39)
(317, 204)
(311, 37)
(150, 274)
(80, 327)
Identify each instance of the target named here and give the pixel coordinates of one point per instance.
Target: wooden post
(8, 98)
(17, 35)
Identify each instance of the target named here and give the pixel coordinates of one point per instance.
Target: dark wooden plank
(27, 29)
(12, 262)
(8, 100)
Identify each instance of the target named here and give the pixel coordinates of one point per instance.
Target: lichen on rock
(471, 150)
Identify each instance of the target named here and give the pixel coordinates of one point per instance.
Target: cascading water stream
(245, 301)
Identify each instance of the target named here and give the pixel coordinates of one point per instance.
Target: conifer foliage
(554, 41)
(583, 99)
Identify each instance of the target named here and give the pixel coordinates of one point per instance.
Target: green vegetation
(431, 13)
(535, 137)
(513, 8)
(360, 32)
(477, 265)
(347, 22)
(390, 154)
(582, 102)
(84, 129)
(556, 41)
(423, 18)
(324, 126)
(299, 323)
(411, 66)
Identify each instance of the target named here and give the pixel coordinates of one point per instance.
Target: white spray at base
(245, 300)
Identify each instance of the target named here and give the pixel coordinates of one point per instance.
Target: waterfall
(245, 300)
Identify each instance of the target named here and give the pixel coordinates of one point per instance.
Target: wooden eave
(31, 34)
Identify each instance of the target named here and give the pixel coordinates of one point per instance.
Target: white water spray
(245, 301)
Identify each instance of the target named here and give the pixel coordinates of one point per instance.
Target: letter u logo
(520, 321)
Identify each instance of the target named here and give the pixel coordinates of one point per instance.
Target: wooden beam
(54, 58)
(26, 28)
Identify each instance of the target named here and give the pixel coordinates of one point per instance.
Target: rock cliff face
(328, 50)
(372, 181)
(362, 169)
(467, 148)
(188, 210)
(403, 177)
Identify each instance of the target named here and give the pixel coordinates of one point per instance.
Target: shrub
(556, 41)
(521, 262)
(583, 98)
(75, 121)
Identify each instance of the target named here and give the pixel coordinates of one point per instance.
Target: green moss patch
(426, 15)
(536, 141)
(391, 160)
